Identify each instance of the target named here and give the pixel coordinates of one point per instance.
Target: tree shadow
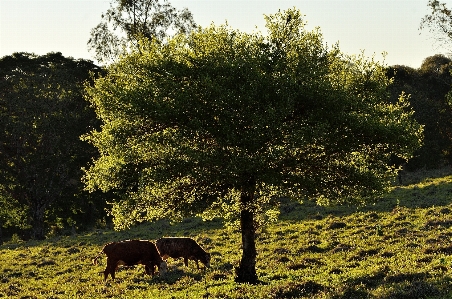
(176, 274)
(406, 285)
(189, 227)
(426, 193)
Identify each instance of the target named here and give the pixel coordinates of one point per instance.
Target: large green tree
(128, 21)
(221, 122)
(42, 115)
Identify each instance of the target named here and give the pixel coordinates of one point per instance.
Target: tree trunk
(246, 272)
(38, 231)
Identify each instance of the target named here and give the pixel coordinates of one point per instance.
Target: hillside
(398, 247)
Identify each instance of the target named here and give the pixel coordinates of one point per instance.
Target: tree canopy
(131, 20)
(223, 123)
(42, 114)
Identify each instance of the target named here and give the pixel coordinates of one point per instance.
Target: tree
(42, 114)
(439, 21)
(131, 20)
(436, 65)
(12, 214)
(221, 123)
(428, 87)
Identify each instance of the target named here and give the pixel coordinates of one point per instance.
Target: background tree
(428, 87)
(131, 20)
(42, 114)
(12, 213)
(439, 21)
(221, 123)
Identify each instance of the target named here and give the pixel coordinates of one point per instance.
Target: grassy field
(399, 247)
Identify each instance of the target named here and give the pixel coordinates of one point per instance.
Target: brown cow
(183, 247)
(129, 253)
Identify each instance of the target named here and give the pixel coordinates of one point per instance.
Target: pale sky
(375, 26)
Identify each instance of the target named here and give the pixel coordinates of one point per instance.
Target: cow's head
(206, 260)
(163, 268)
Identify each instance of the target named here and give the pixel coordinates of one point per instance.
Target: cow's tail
(95, 259)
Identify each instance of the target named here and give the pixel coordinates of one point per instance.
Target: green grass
(399, 247)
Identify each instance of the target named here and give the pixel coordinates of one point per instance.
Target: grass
(399, 247)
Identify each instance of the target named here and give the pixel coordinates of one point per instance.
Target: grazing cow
(129, 253)
(183, 247)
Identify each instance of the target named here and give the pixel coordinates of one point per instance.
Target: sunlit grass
(399, 247)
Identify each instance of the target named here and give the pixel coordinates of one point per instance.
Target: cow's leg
(106, 271)
(186, 261)
(120, 263)
(197, 264)
(149, 267)
(110, 269)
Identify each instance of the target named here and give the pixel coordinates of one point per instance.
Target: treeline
(429, 87)
(43, 113)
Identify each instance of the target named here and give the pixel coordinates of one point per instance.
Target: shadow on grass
(410, 285)
(173, 276)
(427, 192)
(189, 227)
(297, 290)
